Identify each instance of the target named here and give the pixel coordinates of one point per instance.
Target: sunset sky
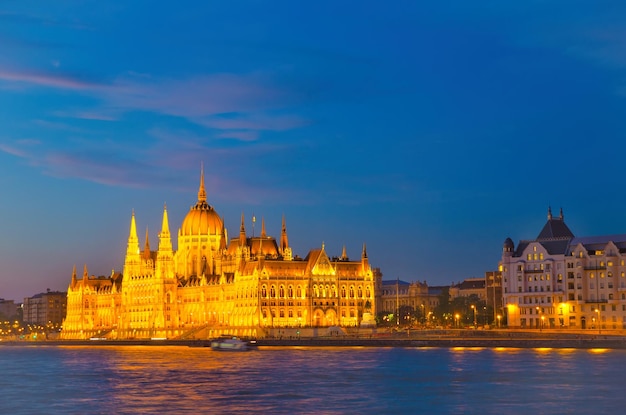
(431, 131)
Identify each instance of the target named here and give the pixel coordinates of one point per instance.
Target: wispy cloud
(47, 80)
(200, 99)
(19, 148)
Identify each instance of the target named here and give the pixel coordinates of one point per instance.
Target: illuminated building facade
(562, 281)
(45, 309)
(214, 285)
(408, 299)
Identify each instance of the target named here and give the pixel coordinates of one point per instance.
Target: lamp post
(540, 321)
(597, 310)
(485, 311)
(474, 310)
(498, 317)
(456, 318)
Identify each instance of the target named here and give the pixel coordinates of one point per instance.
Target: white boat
(234, 344)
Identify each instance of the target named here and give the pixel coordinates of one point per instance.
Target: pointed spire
(263, 234)
(133, 240)
(242, 232)
(561, 214)
(549, 213)
(364, 261)
(74, 276)
(201, 191)
(344, 255)
(146, 248)
(165, 225)
(284, 241)
(85, 273)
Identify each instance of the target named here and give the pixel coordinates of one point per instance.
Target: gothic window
(351, 292)
(298, 292)
(290, 291)
(343, 291)
(367, 292)
(360, 293)
(282, 291)
(273, 291)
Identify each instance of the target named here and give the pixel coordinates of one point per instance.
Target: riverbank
(446, 339)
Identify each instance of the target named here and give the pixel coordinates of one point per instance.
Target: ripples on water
(157, 380)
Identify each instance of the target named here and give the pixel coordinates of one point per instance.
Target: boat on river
(231, 343)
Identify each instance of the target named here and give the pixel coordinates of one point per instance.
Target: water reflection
(153, 379)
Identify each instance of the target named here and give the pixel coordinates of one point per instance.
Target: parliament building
(212, 285)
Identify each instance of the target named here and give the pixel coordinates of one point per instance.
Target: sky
(431, 130)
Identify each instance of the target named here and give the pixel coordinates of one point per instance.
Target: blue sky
(429, 130)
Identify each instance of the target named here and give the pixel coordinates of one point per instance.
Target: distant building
(45, 309)
(469, 287)
(396, 294)
(8, 309)
(560, 281)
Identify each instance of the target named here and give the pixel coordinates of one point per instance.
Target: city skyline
(416, 129)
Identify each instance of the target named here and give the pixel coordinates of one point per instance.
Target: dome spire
(201, 190)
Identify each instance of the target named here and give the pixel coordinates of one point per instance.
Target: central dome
(202, 219)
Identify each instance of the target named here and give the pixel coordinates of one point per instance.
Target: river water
(183, 380)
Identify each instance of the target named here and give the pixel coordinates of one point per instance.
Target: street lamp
(597, 310)
(474, 309)
(541, 319)
(498, 317)
(456, 318)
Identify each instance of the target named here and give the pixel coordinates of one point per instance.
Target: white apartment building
(561, 281)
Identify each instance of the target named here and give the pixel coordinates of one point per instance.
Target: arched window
(299, 292)
(273, 292)
(343, 291)
(282, 291)
(290, 291)
(264, 292)
(367, 292)
(351, 292)
(360, 292)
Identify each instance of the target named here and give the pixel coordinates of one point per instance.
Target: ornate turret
(508, 247)
(132, 262)
(165, 254)
(284, 241)
(242, 232)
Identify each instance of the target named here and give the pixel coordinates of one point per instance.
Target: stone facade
(212, 285)
(562, 281)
